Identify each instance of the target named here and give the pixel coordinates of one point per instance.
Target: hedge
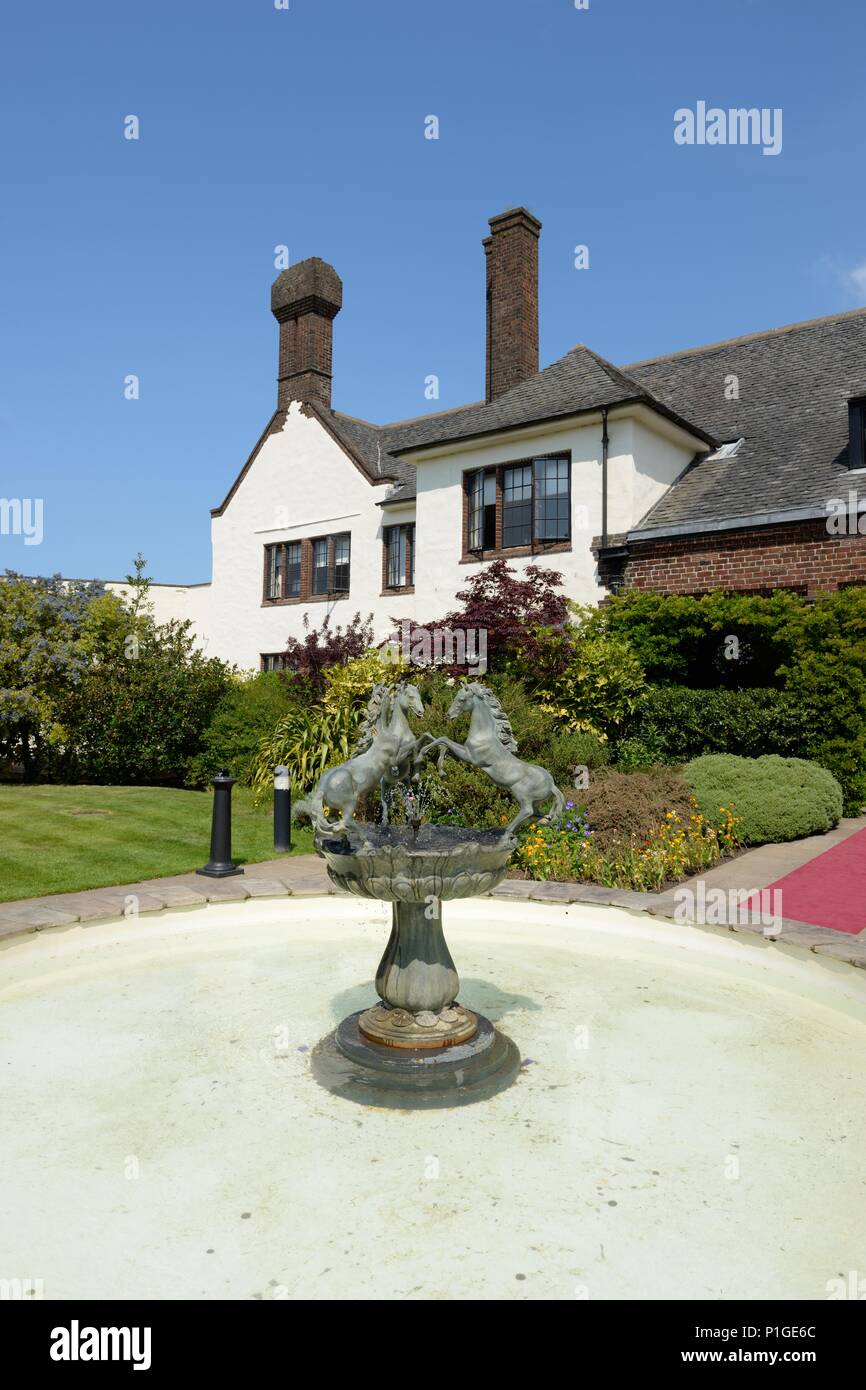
(773, 798)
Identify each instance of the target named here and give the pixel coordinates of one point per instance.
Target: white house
(659, 475)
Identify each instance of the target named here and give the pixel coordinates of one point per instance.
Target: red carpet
(829, 891)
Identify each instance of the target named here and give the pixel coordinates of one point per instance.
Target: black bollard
(282, 810)
(221, 864)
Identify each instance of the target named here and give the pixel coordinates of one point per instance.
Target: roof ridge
(842, 314)
(431, 415)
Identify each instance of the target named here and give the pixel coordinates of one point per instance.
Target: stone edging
(190, 890)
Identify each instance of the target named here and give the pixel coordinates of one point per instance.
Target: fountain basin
(395, 865)
(688, 1122)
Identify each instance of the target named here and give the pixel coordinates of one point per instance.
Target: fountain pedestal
(418, 1046)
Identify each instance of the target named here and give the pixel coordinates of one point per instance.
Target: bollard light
(282, 810)
(221, 864)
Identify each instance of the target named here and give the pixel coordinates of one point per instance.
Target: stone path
(304, 876)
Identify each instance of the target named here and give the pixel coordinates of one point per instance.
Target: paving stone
(312, 888)
(513, 888)
(11, 927)
(800, 934)
(554, 892)
(225, 890)
(39, 917)
(852, 950)
(267, 888)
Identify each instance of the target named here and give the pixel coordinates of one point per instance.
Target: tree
(51, 632)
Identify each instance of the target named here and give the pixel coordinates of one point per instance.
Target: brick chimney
(305, 300)
(512, 300)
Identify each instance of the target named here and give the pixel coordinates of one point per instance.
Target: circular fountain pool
(688, 1121)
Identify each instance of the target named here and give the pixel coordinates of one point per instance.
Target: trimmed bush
(773, 798)
(627, 809)
(679, 723)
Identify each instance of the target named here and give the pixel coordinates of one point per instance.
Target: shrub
(508, 607)
(684, 639)
(308, 740)
(468, 797)
(680, 723)
(249, 711)
(627, 809)
(601, 687)
(140, 715)
(310, 656)
(773, 798)
(350, 685)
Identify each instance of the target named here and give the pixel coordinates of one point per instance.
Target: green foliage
(813, 652)
(50, 633)
(308, 740)
(589, 678)
(350, 684)
(467, 797)
(773, 798)
(678, 723)
(250, 710)
(684, 640)
(140, 713)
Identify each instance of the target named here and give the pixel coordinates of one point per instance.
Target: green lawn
(62, 839)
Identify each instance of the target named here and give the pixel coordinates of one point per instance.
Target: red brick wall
(512, 300)
(799, 555)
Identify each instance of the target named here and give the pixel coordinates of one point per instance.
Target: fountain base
(352, 1066)
(399, 1028)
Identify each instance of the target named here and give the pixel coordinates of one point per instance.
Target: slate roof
(792, 414)
(794, 385)
(579, 381)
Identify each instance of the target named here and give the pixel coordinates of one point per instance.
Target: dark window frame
(477, 519)
(305, 569)
(408, 585)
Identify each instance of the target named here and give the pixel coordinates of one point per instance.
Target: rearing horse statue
(384, 754)
(491, 746)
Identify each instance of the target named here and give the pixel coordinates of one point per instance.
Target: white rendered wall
(643, 460)
(301, 484)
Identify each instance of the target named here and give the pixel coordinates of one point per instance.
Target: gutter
(733, 523)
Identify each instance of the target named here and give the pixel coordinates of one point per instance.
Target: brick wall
(798, 555)
(512, 300)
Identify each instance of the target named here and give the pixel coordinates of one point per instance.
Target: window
(296, 571)
(320, 567)
(275, 556)
(527, 504)
(400, 556)
(341, 564)
(552, 499)
(293, 570)
(517, 505)
(857, 434)
(273, 661)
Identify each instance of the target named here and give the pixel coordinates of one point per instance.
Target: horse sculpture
(384, 755)
(490, 745)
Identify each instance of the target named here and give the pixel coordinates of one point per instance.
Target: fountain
(419, 1046)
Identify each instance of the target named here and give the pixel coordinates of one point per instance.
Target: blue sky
(305, 127)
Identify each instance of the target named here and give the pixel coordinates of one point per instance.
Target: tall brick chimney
(305, 300)
(512, 299)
